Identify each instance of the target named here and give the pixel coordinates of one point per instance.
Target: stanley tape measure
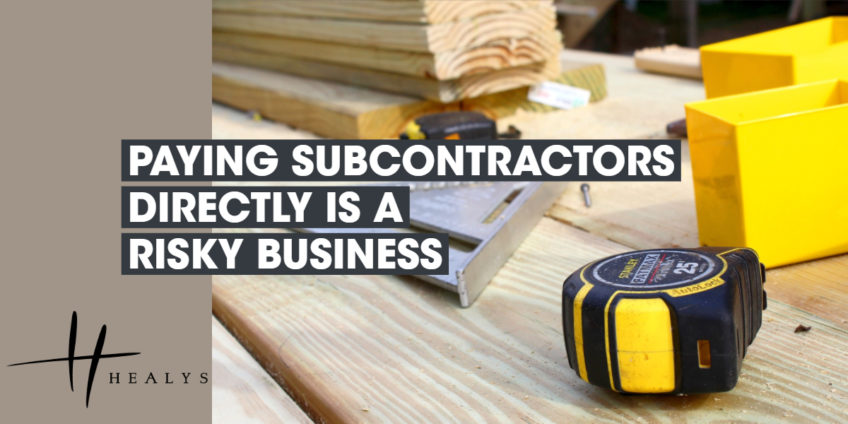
(665, 320)
(458, 125)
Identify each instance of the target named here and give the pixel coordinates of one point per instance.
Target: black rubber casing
(727, 315)
(460, 125)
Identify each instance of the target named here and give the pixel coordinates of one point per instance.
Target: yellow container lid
(806, 52)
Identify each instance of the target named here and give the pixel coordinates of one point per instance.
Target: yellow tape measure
(664, 320)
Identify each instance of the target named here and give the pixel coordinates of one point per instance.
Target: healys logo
(150, 377)
(94, 358)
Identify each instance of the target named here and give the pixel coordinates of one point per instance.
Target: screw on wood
(586, 199)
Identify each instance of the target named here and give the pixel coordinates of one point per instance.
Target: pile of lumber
(336, 110)
(441, 50)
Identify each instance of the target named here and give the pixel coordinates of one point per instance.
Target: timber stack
(439, 50)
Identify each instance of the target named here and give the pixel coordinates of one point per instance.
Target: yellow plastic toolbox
(796, 54)
(770, 170)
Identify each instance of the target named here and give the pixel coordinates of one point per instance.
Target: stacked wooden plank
(439, 50)
(337, 110)
(327, 109)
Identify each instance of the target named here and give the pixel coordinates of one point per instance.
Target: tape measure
(664, 320)
(451, 126)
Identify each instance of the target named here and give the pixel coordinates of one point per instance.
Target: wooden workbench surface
(244, 392)
(393, 349)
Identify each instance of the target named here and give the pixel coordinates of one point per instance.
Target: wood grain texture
(378, 349)
(229, 124)
(530, 22)
(447, 91)
(328, 109)
(505, 53)
(622, 114)
(242, 391)
(640, 215)
(819, 287)
(420, 11)
(588, 76)
(413, 89)
(394, 349)
(670, 60)
(627, 88)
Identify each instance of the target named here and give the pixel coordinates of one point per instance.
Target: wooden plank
(818, 287)
(589, 76)
(229, 124)
(622, 114)
(366, 79)
(531, 22)
(505, 53)
(328, 109)
(670, 60)
(389, 349)
(341, 111)
(448, 91)
(641, 215)
(423, 11)
(241, 390)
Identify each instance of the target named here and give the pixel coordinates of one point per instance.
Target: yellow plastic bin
(812, 51)
(771, 171)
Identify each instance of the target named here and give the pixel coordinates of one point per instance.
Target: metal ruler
(486, 222)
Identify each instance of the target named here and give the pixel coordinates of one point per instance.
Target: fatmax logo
(643, 273)
(94, 358)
